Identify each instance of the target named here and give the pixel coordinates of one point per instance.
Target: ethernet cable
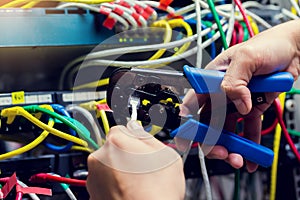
(167, 37)
(81, 130)
(103, 118)
(11, 112)
(81, 148)
(156, 4)
(296, 6)
(89, 117)
(30, 4)
(32, 195)
(61, 110)
(199, 38)
(29, 146)
(134, 49)
(97, 10)
(66, 188)
(122, 12)
(17, 3)
(174, 24)
(151, 62)
(231, 23)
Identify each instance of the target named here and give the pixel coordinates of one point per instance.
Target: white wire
(143, 5)
(231, 23)
(296, 6)
(96, 9)
(126, 15)
(220, 10)
(152, 62)
(199, 38)
(67, 190)
(148, 62)
(204, 173)
(289, 14)
(32, 195)
(89, 117)
(156, 4)
(130, 12)
(133, 49)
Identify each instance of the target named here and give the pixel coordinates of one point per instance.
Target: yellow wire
(10, 113)
(253, 25)
(177, 23)
(29, 146)
(276, 146)
(104, 121)
(80, 148)
(189, 32)
(158, 54)
(17, 3)
(30, 4)
(167, 37)
(94, 84)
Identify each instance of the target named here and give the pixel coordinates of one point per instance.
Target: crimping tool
(165, 89)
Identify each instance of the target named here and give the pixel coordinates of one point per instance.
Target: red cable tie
(163, 4)
(109, 23)
(137, 18)
(105, 11)
(138, 9)
(11, 182)
(35, 190)
(118, 11)
(125, 4)
(149, 10)
(104, 107)
(173, 16)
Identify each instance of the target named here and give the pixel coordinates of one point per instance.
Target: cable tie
(118, 11)
(125, 4)
(104, 107)
(149, 10)
(35, 190)
(109, 23)
(104, 10)
(174, 16)
(137, 18)
(138, 9)
(11, 182)
(163, 4)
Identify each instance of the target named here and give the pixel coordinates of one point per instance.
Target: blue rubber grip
(209, 81)
(197, 131)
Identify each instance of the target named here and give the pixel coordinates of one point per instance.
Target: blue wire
(61, 110)
(209, 35)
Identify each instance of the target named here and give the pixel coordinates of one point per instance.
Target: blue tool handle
(197, 131)
(209, 81)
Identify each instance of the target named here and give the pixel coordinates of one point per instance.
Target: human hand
(276, 49)
(132, 164)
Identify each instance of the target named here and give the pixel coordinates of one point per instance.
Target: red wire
(243, 12)
(270, 128)
(240, 31)
(19, 196)
(285, 132)
(233, 38)
(43, 177)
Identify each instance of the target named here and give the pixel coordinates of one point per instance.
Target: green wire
(72, 123)
(216, 17)
(236, 195)
(246, 32)
(293, 132)
(294, 91)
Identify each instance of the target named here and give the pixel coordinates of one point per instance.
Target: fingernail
(241, 106)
